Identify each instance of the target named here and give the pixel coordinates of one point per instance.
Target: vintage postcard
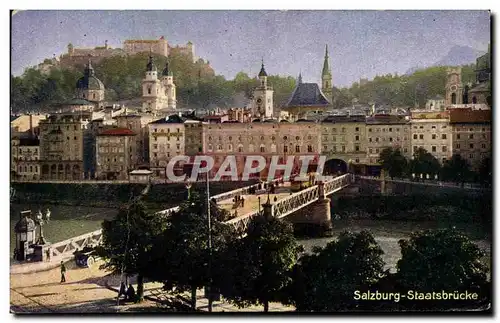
(250, 161)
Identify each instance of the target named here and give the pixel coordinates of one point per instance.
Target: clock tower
(263, 97)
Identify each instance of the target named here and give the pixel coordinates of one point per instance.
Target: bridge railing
(338, 183)
(240, 191)
(67, 247)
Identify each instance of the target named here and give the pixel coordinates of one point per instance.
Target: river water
(70, 221)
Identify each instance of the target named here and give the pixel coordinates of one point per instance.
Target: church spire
(262, 70)
(300, 77)
(326, 66)
(89, 70)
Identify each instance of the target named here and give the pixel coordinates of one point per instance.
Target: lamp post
(41, 220)
(188, 187)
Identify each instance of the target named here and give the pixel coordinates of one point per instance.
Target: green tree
(181, 257)
(393, 161)
(257, 266)
(128, 242)
(424, 163)
(456, 169)
(441, 260)
(325, 280)
(486, 171)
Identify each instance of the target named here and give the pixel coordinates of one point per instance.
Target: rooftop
(470, 116)
(117, 132)
(29, 142)
(170, 119)
(307, 94)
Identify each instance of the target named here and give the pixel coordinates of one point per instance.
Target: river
(70, 221)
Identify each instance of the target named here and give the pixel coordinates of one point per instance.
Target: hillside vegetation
(198, 88)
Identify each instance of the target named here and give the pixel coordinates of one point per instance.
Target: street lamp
(41, 220)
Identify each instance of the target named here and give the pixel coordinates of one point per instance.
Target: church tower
(454, 89)
(326, 78)
(151, 85)
(167, 80)
(263, 97)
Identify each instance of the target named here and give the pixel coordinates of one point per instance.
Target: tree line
(268, 265)
(199, 87)
(425, 166)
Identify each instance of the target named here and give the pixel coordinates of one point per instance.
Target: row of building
(86, 140)
(74, 147)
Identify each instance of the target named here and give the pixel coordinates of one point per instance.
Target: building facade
(166, 140)
(116, 154)
(25, 158)
(62, 146)
(135, 46)
(384, 131)
(471, 135)
(432, 131)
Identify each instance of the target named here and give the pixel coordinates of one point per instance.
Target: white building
(158, 93)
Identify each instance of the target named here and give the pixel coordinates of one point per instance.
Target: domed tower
(89, 87)
(167, 79)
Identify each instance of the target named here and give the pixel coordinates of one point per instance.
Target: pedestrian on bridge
(63, 272)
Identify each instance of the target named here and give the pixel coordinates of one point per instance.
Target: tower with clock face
(454, 88)
(263, 97)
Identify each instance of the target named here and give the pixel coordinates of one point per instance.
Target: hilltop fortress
(80, 56)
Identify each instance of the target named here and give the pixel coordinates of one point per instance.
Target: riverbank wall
(112, 195)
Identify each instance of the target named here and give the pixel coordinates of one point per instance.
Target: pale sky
(361, 43)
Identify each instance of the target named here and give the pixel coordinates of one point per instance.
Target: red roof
(470, 116)
(118, 132)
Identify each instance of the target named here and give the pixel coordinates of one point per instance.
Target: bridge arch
(334, 166)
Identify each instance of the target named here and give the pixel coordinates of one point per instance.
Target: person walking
(63, 272)
(123, 291)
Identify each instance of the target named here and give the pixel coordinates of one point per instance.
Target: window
(471, 146)
(334, 149)
(240, 149)
(297, 138)
(415, 136)
(390, 139)
(357, 160)
(285, 149)
(405, 150)
(421, 136)
(415, 148)
(309, 149)
(36, 169)
(471, 156)
(334, 129)
(155, 154)
(371, 150)
(219, 147)
(209, 147)
(443, 160)
(285, 138)
(471, 130)
(357, 128)
(230, 147)
(433, 127)
(457, 146)
(343, 148)
(443, 149)
(376, 139)
(369, 129)
(471, 136)
(334, 138)
(377, 150)
(178, 146)
(443, 136)
(343, 129)
(297, 149)
(421, 127)
(458, 136)
(356, 148)
(483, 146)
(31, 169)
(370, 139)
(357, 138)
(390, 129)
(433, 136)
(433, 149)
(155, 146)
(397, 129)
(262, 149)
